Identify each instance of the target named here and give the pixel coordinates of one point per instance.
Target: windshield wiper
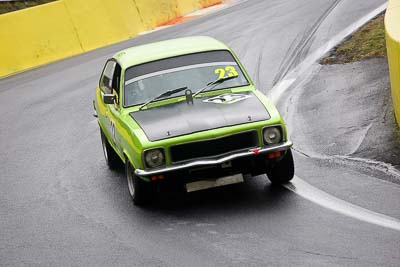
(165, 94)
(212, 84)
(175, 91)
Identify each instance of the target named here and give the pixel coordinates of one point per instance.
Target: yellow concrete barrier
(185, 7)
(157, 12)
(36, 36)
(103, 22)
(46, 33)
(392, 28)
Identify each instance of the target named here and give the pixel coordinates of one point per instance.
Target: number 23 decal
(229, 69)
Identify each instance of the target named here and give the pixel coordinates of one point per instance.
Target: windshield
(146, 81)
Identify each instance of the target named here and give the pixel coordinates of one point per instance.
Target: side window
(107, 77)
(116, 78)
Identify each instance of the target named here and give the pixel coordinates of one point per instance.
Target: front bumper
(210, 162)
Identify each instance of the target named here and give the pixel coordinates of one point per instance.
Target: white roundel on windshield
(227, 98)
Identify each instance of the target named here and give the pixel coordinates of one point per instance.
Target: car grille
(214, 147)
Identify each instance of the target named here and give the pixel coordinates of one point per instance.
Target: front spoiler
(207, 162)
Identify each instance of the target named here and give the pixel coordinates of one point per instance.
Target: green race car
(185, 113)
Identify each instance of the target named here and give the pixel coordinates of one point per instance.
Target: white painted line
(155, 30)
(298, 185)
(276, 92)
(325, 200)
(215, 8)
(280, 88)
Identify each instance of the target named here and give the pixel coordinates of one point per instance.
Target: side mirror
(109, 99)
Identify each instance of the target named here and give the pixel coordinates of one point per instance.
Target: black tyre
(283, 171)
(112, 158)
(141, 192)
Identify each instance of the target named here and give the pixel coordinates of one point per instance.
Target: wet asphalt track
(60, 205)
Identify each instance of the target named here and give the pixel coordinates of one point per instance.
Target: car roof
(150, 52)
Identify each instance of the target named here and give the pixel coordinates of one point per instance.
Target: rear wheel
(112, 158)
(283, 171)
(141, 192)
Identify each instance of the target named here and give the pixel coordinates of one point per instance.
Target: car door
(114, 110)
(106, 88)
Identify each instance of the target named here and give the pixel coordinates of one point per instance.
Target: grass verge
(367, 42)
(6, 7)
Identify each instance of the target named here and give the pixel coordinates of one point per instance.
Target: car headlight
(154, 157)
(272, 135)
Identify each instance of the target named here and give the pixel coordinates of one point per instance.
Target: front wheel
(283, 171)
(141, 192)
